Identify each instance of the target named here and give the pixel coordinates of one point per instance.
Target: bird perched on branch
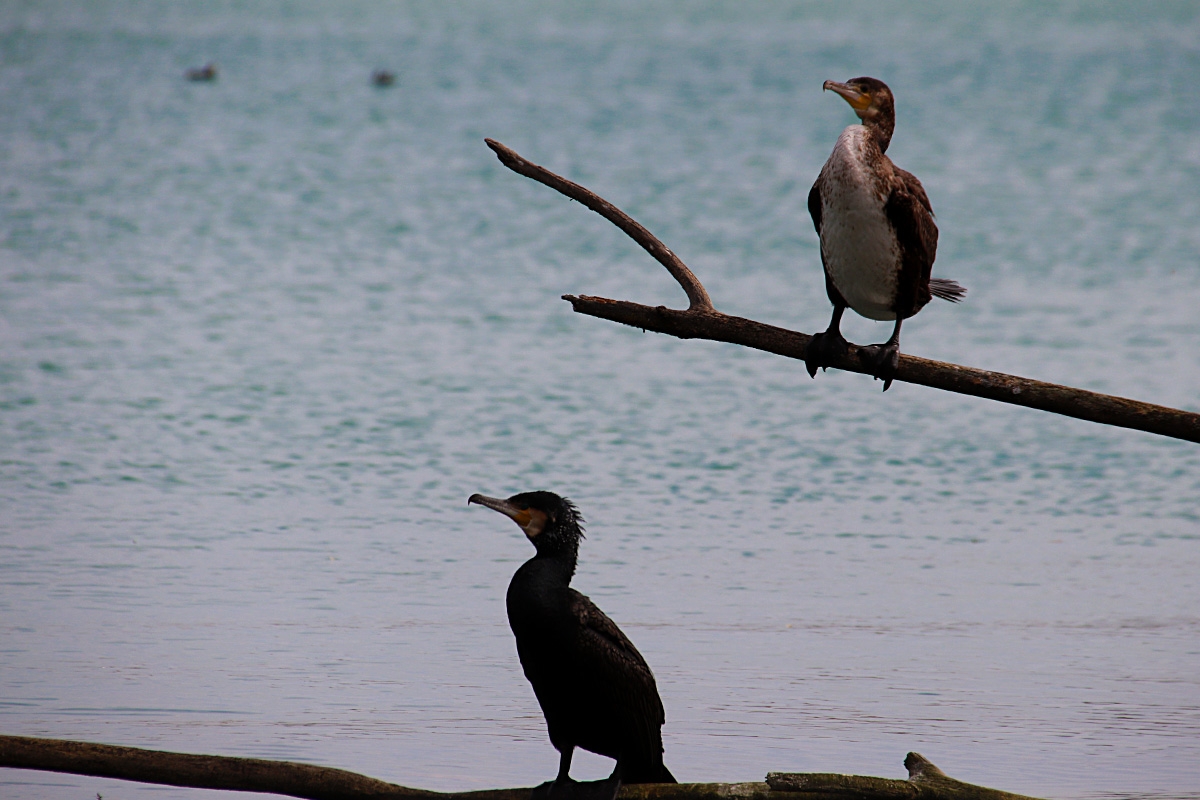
(878, 237)
(594, 687)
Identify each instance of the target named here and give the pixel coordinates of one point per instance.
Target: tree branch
(202, 772)
(925, 782)
(697, 296)
(702, 321)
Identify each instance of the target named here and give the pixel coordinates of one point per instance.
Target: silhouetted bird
(206, 73)
(595, 689)
(878, 237)
(381, 77)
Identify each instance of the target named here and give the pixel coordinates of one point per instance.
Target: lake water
(261, 338)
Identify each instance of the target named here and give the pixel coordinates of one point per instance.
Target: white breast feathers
(857, 241)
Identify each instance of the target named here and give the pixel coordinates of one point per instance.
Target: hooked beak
(521, 516)
(859, 101)
(531, 520)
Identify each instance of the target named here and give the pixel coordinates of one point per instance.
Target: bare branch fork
(701, 320)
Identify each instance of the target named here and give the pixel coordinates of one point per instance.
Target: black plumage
(206, 73)
(595, 689)
(878, 237)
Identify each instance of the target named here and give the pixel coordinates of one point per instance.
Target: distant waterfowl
(595, 689)
(381, 77)
(206, 73)
(878, 237)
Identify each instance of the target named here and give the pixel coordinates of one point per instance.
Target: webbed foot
(608, 788)
(824, 349)
(544, 791)
(883, 360)
(570, 789)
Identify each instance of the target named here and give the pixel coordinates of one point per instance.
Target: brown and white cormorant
(878, 237)
(595, 689)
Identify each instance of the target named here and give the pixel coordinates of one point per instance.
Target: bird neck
(557, 561)
(881, 128)
(559, 545)
(539, 582)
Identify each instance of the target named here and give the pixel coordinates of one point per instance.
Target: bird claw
(571, 789)
(609, 788)
(882, 360)
(823, 349)
(547, 790)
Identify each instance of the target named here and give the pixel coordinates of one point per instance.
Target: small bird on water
(206, 73)
(878, 237)
(595, 689)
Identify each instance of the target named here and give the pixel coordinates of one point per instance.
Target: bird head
(872, 101)
(551, 522)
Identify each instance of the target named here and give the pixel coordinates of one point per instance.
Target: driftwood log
(925, 781)
(701, 320)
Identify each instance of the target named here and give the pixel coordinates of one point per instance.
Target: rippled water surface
(261, 338)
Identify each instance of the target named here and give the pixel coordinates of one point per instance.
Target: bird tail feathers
(947, 289)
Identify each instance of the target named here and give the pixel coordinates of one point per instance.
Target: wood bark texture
(291, 779)
(701, 320)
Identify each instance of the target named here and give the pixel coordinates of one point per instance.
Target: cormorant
(878, 237)
(594, 687)
(206, 73)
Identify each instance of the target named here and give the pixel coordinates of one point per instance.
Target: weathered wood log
(701, 320)
(199, 771)
(925, 782)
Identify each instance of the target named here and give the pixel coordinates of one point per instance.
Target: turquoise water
(261, 338)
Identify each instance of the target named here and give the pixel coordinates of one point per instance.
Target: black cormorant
(594, 687)
(206, 73)
(878, 237)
